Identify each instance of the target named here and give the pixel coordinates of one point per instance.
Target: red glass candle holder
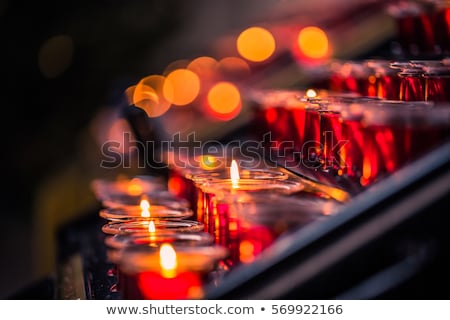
(283, 119)
(412, 84)
(180, 181)
(437, 83)
(330, 131)
(204, 207)
(145, 277)
(262, 219)
(356, 77)
(312, 148)
(442, 25)
(421, 26)
(383, 136)
(223, 224)
(117, 242)
(387, 79)
(403, 134)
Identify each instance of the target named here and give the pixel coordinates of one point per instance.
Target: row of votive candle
(412, 80)
(362, 139)
(423, 26)
(156, 250)
(161, 249)
(246, 210)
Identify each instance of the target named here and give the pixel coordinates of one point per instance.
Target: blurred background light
(224, 100)
(181, 87)
(256, 44)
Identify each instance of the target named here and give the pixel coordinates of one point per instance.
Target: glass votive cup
(330, 129)
(282, 118)
(422, 29)
(387, 80)
(104, 189)
(262, 219)
(116, 242)
(220, 221)
(437, 83)
(311, 148)
(158, 198)
(180, 182)
(121, 214)
(442, 25)
(403, 134)
(203, 203)
(364, 156)
(412, 84)
(172, 271)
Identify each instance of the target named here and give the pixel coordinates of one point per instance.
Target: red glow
(154, 286)
(254, 239)
(175, 185)
(271, 115)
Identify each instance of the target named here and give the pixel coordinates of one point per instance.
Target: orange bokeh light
(313, 42)
(234, 68)
(181, 87)
(256, 44)
(148, 95)
(204, 67)
(246, 251)
(224, 100)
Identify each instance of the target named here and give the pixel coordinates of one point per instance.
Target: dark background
(51, 105)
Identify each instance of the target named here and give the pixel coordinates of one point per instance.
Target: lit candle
(151, 230)
(168, 284)
(145, 208)
(225, 225)
(115, 244)
(142, 211)
(167, 272)
(232, 177)
(234, 174)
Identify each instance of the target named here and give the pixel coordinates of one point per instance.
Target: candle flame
(145, 208)
(311, 93)
(168, 260)
(151, 227)
(234, 173)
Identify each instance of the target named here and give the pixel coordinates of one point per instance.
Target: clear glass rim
(119, 241)
(156, 212)
(227, 188)
(245, 174)
(161, 225)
